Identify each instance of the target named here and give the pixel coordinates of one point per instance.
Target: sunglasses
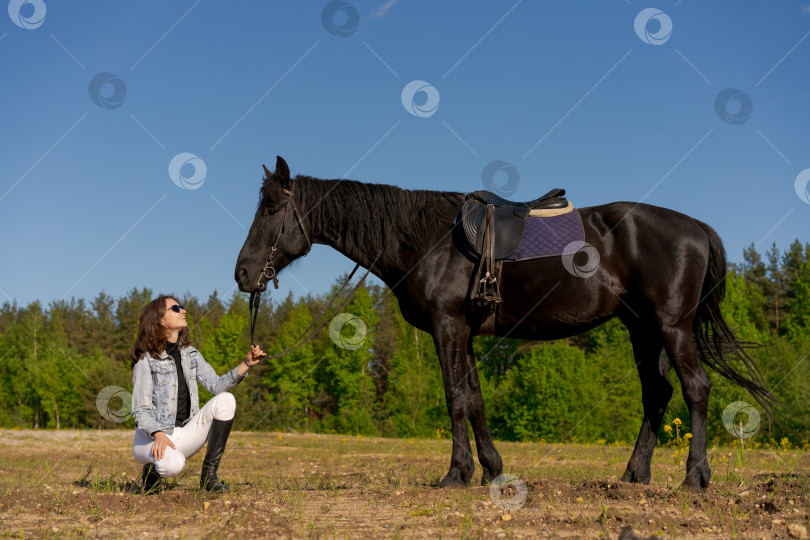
(176, 308)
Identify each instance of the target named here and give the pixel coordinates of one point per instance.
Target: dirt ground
(86, 484)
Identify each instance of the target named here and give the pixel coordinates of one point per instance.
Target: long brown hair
(152, 334)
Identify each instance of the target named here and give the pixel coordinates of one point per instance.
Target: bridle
(269, 272)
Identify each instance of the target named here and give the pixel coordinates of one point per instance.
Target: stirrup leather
(485, 288)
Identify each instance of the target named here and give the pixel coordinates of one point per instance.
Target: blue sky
(568, 93)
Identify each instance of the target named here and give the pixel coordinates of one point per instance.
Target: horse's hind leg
(488, 456)
(680, 344)
(656, 391)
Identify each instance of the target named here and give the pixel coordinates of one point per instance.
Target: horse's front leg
(451, 337)
(488, 456)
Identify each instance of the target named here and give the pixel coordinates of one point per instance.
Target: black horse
(660, 272)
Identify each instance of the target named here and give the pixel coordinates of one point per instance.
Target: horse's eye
(268, 211)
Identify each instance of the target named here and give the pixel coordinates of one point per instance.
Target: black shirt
(183, 398)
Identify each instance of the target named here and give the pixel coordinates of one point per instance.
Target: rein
(269, 272)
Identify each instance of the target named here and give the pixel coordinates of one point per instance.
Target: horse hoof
(634, 478)
(695, 483)
(452, 484)
(488, 477)
(687, 486)
(452, 480)
(697, 478)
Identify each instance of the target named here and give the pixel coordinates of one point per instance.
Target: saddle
(494, 227)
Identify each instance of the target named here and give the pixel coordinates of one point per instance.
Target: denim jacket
(154, 392)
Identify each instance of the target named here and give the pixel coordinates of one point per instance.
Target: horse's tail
(717, 345)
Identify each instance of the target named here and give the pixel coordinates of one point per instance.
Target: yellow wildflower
(677, 421)
(688, 435)
(667, 429)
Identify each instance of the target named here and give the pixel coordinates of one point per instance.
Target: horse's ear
(282, 170)
(267, 174)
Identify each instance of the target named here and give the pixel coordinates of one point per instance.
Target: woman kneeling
(171, 427)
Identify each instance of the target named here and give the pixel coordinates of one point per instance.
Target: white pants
(188, 439)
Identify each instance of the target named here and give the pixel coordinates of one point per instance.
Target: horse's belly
(542, 302)
(539, 329)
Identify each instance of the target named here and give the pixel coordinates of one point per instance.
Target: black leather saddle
(494, 229)
(552, 199)
(509, 219)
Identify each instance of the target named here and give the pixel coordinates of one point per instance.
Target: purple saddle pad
(548, 236)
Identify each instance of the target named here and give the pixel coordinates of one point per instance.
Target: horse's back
(632, 217)
(635, 233)
(642, 255)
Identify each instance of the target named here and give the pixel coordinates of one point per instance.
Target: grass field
(85, 483)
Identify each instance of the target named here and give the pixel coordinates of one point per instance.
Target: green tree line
(377, 375)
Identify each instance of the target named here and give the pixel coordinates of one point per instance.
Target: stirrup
(488, 290)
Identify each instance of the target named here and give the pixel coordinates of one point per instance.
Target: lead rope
(254, 312)
(256, 296)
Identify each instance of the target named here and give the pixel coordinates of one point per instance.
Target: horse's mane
(379, 216)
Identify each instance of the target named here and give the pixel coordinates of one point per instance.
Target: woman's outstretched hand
(254, 356)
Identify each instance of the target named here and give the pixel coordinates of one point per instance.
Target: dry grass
(85, 483)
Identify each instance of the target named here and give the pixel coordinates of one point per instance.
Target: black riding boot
(152, 482)
(217, 437)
